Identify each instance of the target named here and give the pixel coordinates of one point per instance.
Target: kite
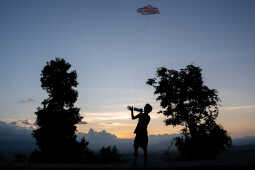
(148, 10)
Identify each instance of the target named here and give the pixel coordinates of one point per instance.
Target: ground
(234, 159)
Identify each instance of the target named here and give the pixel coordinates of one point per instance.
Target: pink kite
(148, 10)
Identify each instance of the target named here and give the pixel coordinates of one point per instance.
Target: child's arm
(137, 116)
(134, 117)
(131, 108)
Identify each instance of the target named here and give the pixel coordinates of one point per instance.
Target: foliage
(109, 154)
(20, 157)
(186, 101)
(206, 144)
(184, 98)
(57, 118)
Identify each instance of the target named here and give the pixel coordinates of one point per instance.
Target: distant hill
(19, 139)
(246, 140)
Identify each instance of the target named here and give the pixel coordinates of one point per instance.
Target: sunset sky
(115, 50)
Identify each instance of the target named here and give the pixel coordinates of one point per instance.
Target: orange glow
(238, 121)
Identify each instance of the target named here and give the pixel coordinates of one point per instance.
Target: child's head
(147, 108)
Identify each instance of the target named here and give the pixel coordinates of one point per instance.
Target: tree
(186, 101)
(57, 118)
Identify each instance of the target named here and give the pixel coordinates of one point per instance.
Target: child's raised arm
(131, 108)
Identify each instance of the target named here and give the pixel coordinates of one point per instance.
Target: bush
(206, 144)
(109, 154)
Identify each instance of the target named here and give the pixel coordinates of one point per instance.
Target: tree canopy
(186, 101)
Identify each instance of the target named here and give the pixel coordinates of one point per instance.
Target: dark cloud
(15, 139)
(245, 140)
(13, 123)
(28, 100)
(99, 139)
(102, 138)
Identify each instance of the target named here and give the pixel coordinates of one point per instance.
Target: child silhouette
(141, 138)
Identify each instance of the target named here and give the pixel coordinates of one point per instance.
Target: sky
(115, 50)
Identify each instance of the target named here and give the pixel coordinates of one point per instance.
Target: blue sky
(115, 50)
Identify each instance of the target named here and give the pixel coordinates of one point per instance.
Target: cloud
(27, 124)
(107, 116)
(112, 116)
(31, 124)
(245, 140)
(83, 123)
(244, 107)
(15, 139)
(28, 100)
(157, 143)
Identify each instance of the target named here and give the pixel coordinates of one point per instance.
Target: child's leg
(145, 155)
(145, 144)
(135, 153)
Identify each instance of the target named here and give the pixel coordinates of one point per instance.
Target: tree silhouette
(109, 154)
(206, 144)
(186, 101)
(57, 117)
